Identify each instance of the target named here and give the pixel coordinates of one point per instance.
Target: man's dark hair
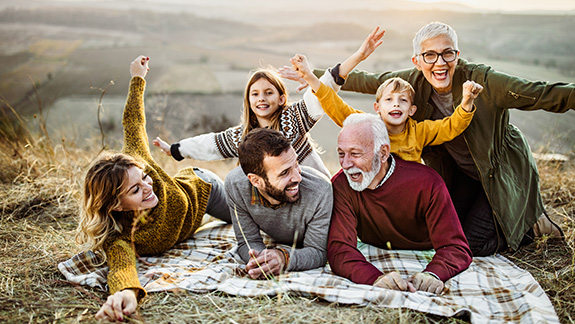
(258, 144)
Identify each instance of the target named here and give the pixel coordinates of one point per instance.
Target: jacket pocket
(520, 100)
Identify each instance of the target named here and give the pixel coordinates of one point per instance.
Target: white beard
(367, 177)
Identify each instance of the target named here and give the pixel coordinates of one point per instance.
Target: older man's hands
(393, 280)
(420, 281)
(427, 282)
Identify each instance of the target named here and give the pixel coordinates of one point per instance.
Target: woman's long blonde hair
(249, 119)
(104, 184)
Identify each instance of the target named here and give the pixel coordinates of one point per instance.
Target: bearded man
(388, 202)
(270, 192)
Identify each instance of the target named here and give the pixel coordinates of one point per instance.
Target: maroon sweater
(411, 210)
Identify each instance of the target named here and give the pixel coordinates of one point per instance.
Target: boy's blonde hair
(104, 184)
(249, 119)
(398, 85)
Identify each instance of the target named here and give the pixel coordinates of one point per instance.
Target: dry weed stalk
(42, 120)
(248, 243)
(99, 114)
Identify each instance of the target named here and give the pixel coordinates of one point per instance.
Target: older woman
(489, 169)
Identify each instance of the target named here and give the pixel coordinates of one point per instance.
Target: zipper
(517, 96)
(496, 218)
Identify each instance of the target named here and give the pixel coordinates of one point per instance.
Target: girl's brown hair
(249, 120)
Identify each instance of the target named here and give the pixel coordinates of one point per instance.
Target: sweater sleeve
(202, 148)
(344, 258)
(312, 103)
(246, 229)
(314, 252)
(452, 253)
(122, 263)
(333, 105)
(436, 132)
(134, 121)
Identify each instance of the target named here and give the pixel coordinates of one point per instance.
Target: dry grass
(39, 192)
(552, 262)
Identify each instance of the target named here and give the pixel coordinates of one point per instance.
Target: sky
(512, 5)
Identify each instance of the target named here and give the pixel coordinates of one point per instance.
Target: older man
(270, 192)
(387, 201)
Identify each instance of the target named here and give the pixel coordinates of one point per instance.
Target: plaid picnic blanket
(493, 289)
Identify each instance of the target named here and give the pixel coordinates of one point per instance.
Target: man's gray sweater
(309, 216)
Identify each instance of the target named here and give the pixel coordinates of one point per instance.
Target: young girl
(132, 207)
(265, 105)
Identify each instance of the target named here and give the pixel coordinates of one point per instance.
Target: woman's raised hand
(139, 67)
(372, 42)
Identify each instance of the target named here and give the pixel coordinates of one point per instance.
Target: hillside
(55, 53)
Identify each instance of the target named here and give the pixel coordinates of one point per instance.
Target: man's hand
(139, 67)
(162, 145)
(271, 262)
(394, 281)
(119, 304)
(426, 282)
(471, 90)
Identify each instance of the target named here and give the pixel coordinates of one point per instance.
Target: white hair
(378, 129)
(430, 31)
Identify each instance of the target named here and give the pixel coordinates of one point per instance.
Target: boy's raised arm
(471, 90)
(301, 66)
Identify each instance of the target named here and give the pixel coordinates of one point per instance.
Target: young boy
(394, 104)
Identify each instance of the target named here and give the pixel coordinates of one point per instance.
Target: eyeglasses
(432, 57)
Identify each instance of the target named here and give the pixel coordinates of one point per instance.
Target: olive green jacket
(500, 151)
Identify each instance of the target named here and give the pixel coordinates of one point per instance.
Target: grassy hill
(62, 56)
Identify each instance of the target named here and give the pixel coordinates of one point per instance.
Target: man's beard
(280, 195)
(367, 177)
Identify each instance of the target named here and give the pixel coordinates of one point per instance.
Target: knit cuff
(175, 151)
(335, 74)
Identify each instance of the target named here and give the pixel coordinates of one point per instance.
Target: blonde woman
(265, 105)
(132, 207)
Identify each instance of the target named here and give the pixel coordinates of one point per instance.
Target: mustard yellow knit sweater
(182, 203)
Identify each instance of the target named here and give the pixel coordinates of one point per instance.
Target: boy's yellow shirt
(408, 144)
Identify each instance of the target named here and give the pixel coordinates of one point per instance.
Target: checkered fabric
(493, 289)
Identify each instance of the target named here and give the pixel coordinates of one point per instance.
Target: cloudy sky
(512, 5)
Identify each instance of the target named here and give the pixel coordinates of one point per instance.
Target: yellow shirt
(408, 144)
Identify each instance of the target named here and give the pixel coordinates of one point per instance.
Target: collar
(258, 199)
(389, 172)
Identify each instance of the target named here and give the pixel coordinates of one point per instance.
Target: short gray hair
(378, 129)
(430, 31)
